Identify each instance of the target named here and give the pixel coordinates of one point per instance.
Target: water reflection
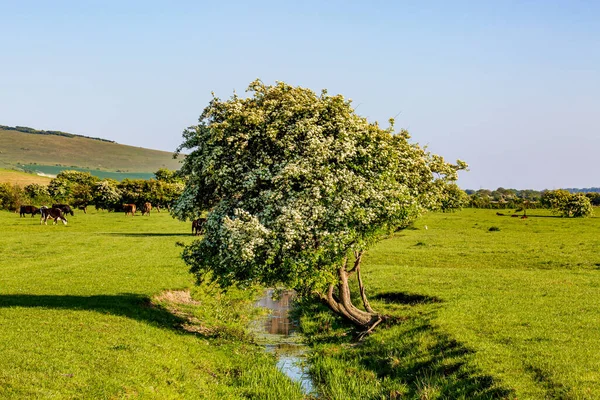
(278, 322)
(279, 337)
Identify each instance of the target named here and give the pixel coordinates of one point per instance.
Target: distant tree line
(583, 190)
(565, 202)
(82, 189)
(26, 129)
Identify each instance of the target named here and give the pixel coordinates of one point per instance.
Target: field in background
(18, 148)
(93, 310)
(119, 176)
(21, 178)
(510, 312)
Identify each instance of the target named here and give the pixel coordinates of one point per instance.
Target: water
(279, 335)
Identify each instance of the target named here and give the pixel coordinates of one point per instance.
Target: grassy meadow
(511, 312)
(98, 309)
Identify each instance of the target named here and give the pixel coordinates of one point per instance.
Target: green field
(514, 313)
(119, 176)
(18, 148)
(84, 315)
(511, 313)
(21, 178)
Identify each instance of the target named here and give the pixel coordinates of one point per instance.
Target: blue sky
(513, 88)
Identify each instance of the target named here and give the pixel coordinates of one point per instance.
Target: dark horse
(28, 210)
(54, 213)
(65, 207)
(198, 226)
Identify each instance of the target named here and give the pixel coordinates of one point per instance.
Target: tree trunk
(363, 296)
(342, 303)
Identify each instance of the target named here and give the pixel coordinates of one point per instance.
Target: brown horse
(129, 209)
(147, 208)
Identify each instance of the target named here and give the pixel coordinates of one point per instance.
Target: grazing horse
(129, 209)
(198, 226)
(28, 210)
(146, 209)
(83, 208)
(65, 207)
(55, 213)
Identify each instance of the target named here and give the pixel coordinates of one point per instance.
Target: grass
(119, 176)
(18, 148)
(99, 309)
(478, 314)
(21, 178)
(104, 308)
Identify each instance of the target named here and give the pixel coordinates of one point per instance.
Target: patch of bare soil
(178, 303)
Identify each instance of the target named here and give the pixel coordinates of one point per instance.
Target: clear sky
(511, 87)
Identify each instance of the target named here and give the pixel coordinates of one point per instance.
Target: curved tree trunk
(341, 302)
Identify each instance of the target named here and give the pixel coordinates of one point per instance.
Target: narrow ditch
(279, 334)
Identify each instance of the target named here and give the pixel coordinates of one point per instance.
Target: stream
(278, 333)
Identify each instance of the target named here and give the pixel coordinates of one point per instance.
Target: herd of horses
(58, 213)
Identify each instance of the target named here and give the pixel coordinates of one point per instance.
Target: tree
(12, 196)
(35, 191)
(568, 204)
(594, 198)
(453, 198)
(107, 195)
(297, 187)
(72, 186)
(166, 175)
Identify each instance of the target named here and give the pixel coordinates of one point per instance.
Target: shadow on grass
(428, 360)
(134, 306)
(406, 298)
(147, 234)
(411, 353)
(543, 216)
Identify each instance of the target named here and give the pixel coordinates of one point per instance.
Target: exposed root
(360, 337)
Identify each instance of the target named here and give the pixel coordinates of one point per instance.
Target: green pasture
(119, 176)
(82, 316)
(512, 312)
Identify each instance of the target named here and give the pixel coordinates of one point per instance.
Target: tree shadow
(424, 358)
(134, 306)
(411, 352)
(146, 234)
(543, 216)
(406, 298)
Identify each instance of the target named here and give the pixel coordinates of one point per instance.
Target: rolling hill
(21, 178)
(48, 152)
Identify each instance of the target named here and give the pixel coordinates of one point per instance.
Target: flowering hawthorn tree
(297, 187)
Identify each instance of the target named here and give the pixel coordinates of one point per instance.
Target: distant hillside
(59, 149)
(26, 129)
(21, 178)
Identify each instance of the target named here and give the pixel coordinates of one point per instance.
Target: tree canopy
(297, 186)
(568, 204)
